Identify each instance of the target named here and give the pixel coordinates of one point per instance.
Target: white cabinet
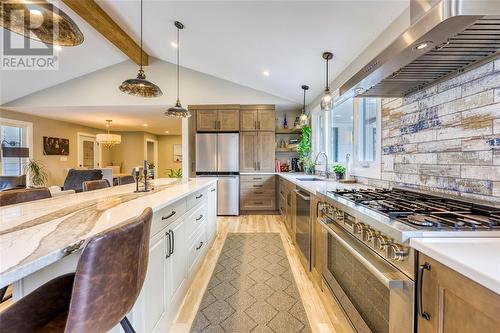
(211, 212)
(176, 263)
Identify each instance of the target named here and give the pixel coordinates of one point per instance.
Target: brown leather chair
(12, 182)
(23, 195)
(92, 185)
(108, 279)
(126, 180)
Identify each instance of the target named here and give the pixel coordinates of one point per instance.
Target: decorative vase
(339, 176)
(285, 122)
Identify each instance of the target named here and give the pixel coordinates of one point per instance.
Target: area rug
(252, 289)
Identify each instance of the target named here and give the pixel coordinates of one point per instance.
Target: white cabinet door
(176, 263)
(212, 212)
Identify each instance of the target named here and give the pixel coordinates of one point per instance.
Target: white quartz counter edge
(476, 258)
(15, 243)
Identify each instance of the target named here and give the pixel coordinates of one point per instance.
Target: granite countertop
(36, 234)
(476, 258)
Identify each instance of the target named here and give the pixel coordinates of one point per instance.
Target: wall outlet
(63, 159)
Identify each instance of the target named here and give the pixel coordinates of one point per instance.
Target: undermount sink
(310, 179)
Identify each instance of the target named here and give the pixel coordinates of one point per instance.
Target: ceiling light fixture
(266, 73)
(303, 117)
(423, 45)
(41, 21)
(140, 86)
(108, 140)
(178, 111)
(145, 125)
(327, 99)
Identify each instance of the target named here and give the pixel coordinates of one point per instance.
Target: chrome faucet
(327, 173)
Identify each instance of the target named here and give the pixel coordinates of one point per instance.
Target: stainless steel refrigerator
(217, 155)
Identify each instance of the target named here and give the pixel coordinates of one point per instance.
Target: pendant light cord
(178, 48)
(141, 35)
(327, 84)
(304, 105)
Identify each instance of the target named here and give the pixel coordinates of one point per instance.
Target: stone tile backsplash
(445, 138)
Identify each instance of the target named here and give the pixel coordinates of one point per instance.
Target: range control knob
(368, 234)
(396, 252)
(380, 242)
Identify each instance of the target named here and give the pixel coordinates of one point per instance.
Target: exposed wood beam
(94, 15)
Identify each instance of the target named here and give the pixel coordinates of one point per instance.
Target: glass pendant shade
(140, 87)
(41, 21)
(303, 116)
(178, 111)
(303, 119)
(327, 101)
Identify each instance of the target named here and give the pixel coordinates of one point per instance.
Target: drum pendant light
(327, 99)
(41, 21)
(178, 111)
(303, 117)
(108, 140)
(140, 86)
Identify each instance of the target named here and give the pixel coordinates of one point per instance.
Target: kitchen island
(41, 240)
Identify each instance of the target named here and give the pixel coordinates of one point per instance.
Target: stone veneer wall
(445, 138)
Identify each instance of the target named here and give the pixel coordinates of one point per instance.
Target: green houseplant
(339, 170)
(36, 173)
(304, 146)
(175, 173)
(309, 165)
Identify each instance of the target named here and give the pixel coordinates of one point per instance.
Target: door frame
(155, 153)
(97, 149)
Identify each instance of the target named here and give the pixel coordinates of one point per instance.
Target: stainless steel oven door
(375, 296)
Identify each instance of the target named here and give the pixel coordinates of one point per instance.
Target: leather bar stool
(108, 279)
(23, 195)
(126, 180)
(92, 185)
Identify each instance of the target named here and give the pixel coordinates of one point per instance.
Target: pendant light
(303, 117)
(140, 86)
(41, 21)
(178, 111)
(327, 98)
(108, 140)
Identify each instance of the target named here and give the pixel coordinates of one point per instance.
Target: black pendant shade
(140, 86)
(178, 111)
(41, 21)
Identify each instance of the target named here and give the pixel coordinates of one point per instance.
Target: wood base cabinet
(257, 192)
(452, 303)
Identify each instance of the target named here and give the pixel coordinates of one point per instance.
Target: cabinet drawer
(256, 192)
(262, 179)
(260, 203)
(167, 215)
(195, 218)
(196, 198)
(196, 248)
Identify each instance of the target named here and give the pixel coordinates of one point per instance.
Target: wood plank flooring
(323, 314)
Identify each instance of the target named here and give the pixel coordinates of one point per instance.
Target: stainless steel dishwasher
(303, 224)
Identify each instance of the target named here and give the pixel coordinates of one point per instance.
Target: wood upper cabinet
(227, 120)
(257, 119)
(257, 151)
(265, 121)
(248, 120)
(454, 303)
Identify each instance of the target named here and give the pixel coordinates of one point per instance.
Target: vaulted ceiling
(231, 40)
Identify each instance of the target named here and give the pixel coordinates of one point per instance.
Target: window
(17, 132)
(367, 134)
(321, 132)
(340, 133)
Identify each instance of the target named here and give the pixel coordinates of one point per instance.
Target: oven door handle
(299, 193)
(389, 282)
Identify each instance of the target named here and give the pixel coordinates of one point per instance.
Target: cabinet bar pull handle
(199, 247)
(163, 218)
(173, 242)
(213, 190)
(169, 240)
(257, 185)
(258, 192)
(258, 202)
(259, 124)
(199, 218)
(199, 197)
(260, 178)
(420, 278)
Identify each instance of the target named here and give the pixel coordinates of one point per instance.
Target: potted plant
(339, 170)
(175, 173)
(304, 146)
(35, 173)
(308, 165)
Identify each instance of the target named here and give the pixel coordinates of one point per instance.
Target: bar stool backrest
(109, 276)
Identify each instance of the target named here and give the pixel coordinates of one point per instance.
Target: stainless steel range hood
(445, 36)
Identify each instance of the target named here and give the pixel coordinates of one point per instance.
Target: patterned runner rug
(252, 289)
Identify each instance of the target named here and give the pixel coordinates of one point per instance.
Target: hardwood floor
(323, 314)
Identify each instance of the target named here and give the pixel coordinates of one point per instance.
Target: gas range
(425, 211)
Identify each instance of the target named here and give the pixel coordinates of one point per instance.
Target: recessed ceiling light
(423, 45)
(166, 132)
(266, 73)
(57, 47)
(173, 44)
(145, 125)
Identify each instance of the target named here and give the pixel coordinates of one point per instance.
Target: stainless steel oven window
(368, 295)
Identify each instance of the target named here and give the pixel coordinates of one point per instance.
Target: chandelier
(108, 140)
